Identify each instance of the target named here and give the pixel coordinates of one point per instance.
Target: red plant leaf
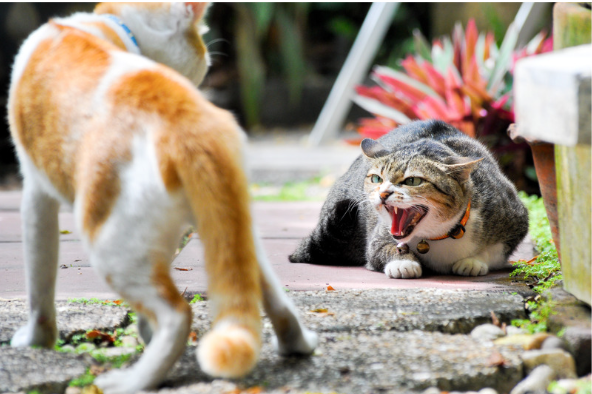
(414, 70)
(435, 80)
(489, 40)
(471, 37)
(436, 108)
(457, 43)
(387, 98)
(456, 105)
(453, 80)
(406, 90)
(472, 72)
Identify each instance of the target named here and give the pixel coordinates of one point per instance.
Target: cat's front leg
(408, 268)
(41, 243)
(395, 262)
(491, 257)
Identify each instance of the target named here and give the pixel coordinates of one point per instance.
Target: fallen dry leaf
(183, 269)
(330, 288)
(103, 337)
(494, 319)
(193, 336)
(496, 360)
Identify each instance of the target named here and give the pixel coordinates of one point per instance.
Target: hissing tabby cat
(423, 195)
(105, 116)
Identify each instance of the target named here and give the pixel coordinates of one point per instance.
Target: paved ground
(282, 225)
(377, 335)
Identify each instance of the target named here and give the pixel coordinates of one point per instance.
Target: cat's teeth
(395, 210)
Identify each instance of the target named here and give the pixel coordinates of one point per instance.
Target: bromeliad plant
(465, 80)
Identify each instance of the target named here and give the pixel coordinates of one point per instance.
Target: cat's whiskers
(214, 41)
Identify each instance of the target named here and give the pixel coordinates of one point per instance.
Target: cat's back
(75, 95)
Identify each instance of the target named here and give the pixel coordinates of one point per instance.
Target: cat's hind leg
(291, 336)
(41, 242)
(143, 279)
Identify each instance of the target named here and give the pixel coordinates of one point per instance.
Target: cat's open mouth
(404, 220)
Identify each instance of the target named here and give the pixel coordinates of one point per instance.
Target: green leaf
(443, 57)
(503, 60)
(250, 64)
(422, 47)
(292, 54)
(262, 14)
(377, 108)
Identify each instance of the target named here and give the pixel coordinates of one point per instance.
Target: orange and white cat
(105, 116)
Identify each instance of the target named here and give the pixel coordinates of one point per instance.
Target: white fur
(79, 21)
(403, 269)
(463, 256)
(161, 37)
(293, 337)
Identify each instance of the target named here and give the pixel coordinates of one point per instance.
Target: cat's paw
(470, 267)
(119, 381)
(303, 345)
(35, 335)
(403, 269)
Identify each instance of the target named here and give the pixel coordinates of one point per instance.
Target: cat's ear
(373, 149)
(199, 10)
(461, 167)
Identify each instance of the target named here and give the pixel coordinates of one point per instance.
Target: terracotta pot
(543, 155)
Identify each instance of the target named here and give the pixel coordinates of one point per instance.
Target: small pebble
(487, 332)
(73, 390)
(537, 380)
(512, 330)
(561, 362)
(431, 390)
(487, 390)
(536, 341)
(552, 342)
(129, 341)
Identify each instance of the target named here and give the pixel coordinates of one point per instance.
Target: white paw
(33, 335)
(403, 269)
(119, 381)
(303, 345)
(470, 267)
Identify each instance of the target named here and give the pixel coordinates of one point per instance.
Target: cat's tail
(210, 169)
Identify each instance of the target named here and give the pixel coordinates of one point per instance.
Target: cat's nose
(385, 195)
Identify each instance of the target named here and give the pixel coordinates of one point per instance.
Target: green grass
(96, 301)
(84, 380)
(544, 270)
(196, 298)
(291, 191)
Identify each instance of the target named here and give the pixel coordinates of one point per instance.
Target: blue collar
(127, 30)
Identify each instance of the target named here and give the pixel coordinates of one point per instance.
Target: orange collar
(457, 231)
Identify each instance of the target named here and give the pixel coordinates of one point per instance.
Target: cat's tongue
(405, 220)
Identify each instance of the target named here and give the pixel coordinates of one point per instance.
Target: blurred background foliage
(273, 64)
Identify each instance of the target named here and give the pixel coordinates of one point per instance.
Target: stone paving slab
(386, 362)
(380, 350)
(72, 318)
(26, 369)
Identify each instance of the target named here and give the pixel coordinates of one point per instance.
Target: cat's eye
(413, 181)
(375, 179)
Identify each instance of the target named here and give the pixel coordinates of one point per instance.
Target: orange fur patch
(45, 129)
(162, 281)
